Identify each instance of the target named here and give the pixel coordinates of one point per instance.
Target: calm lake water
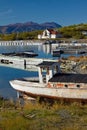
(7, 74)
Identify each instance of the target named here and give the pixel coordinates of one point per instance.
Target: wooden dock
(21, 63)
(21, 43)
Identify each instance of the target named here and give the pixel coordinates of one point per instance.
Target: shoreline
(74, 64)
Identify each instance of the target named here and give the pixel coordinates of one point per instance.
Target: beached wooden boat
(53, 84)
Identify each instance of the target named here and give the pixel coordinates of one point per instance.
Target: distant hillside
(74, 31)
(28, 26)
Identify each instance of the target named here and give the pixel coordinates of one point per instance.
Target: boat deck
(34, 79)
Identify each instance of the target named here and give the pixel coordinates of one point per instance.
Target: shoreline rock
(74, 64)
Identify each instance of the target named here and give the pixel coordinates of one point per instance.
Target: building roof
(52, 31)
(46, 64)
(69, 77)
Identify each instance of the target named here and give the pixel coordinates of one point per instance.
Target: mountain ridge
(27, 26)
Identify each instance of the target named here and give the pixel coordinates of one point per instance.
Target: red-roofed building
(49, 33)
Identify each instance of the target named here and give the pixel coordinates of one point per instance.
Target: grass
(36, 116)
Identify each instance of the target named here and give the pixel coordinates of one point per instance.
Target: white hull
(40, 89)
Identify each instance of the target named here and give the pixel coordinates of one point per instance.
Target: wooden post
(24, 64)
(18, 95)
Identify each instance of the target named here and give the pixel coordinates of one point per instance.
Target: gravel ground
(71, 66)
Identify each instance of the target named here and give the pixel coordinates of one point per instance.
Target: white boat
(53, 84)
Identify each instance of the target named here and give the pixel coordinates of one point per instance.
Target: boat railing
(33, 81)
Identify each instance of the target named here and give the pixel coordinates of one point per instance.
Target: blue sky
(63, 12)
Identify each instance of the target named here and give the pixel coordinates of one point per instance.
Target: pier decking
(21, 43)
(21, 63)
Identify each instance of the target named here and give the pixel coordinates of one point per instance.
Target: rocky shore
(74, 64)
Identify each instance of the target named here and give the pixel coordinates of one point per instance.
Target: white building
(49, 33)
(84, 33)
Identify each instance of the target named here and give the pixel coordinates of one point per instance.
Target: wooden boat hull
(41, 90)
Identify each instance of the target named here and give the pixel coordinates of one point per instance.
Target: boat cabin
(47, 69)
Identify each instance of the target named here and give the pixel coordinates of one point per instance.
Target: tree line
(74, 31)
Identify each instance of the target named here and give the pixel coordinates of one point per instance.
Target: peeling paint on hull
(31, 89)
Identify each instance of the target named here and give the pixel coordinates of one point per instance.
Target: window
(45, 33)
(66, 85)
(78, 86)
